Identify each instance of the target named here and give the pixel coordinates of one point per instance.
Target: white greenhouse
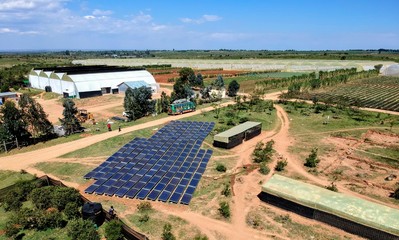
(88, 81)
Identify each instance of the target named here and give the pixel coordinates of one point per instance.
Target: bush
(167, 232)
(12, 201)
(144, 218)
(12, 229)
(332, 187)
(226, 190)
(113, 230)
(312, 160)
(220, 168)
(200, 237)
(82, 229)
(263, 168)
(144, 207)
(281, 165)
(263, 152)
(71, 211)
(40, 197)
(224, 209)
(396, 194)
(61, 196)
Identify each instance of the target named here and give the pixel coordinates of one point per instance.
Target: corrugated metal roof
(224, 136)
(8, 94)
(355, 209)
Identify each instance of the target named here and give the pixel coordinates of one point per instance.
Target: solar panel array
(166, 167)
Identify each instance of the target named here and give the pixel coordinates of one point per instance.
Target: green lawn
(8, 178)
(71, 172)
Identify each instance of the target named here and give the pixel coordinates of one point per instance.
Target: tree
(181, 90)
(167, 232)
(186, 73)
(33, 113)
(71, 211)
(218, 83)
(13, 126)
(138, 102)
(70, 122)
(78, 229)
(263, 168)
(378, 67)
(205, 92)
(199, 80)
(312, 160)
(233, 88)
(165, 102)
(113, 230)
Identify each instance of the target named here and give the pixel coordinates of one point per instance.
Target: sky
(182, 25)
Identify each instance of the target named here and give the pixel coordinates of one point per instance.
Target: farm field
(287, 65)
(379, 93)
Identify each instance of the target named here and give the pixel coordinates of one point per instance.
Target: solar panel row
(165, 167)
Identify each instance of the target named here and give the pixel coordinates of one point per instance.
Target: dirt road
(23, 160)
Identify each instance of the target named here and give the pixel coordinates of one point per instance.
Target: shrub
(200, 237)
(220, 168)
(167, 232)
(12, 201)
(281, 165)
(40, 197)
(144, 218)
(332, 187)
(312, 160)
(396, 194)
(263, 168)
(226, 190)
(12, 229)
(113, 230)
(144, 207)
(71, 210)
(224, 209)
(78, 229)
(61, 196)
(263, 152)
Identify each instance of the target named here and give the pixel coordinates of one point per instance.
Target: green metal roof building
(361, 217)
(234, 136)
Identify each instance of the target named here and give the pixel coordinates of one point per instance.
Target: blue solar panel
(160, 167)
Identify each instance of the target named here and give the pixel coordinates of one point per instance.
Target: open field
(287, 65)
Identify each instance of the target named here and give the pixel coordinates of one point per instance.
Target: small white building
(88, 81)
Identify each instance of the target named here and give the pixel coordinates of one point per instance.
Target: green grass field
(8, 178)
(71, 172)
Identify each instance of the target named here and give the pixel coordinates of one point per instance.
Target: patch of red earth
(163, 78)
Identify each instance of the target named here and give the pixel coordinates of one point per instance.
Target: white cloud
(202, 19)
(141, 17)
(12, 5)
(98, 12)
(7, 30)
(89, 17)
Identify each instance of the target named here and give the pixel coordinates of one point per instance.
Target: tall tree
(186, 73)
(70, 122)
(219, 82)
(165, 101)
(13, 125)
(199, 80)
(233, 88)
(138, 102)
(33, 113)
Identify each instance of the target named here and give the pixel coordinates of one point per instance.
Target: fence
(127, 232)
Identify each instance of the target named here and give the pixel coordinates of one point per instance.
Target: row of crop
(381, 98)
(330, 74)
